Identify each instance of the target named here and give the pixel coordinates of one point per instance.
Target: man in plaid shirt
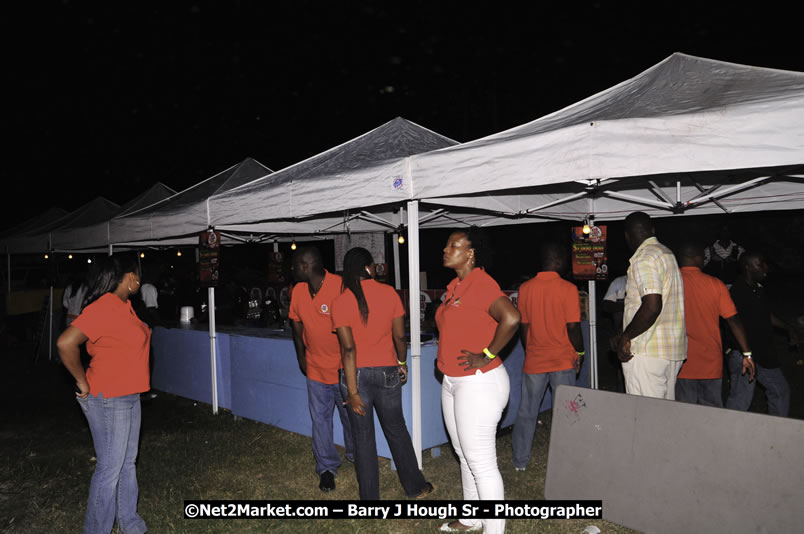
(653, 344)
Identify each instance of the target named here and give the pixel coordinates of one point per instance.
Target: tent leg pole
(592, 335)
(50, 329)
(212, 356)
(415, 326)
(397, 270)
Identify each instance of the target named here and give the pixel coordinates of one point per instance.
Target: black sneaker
(327, 481)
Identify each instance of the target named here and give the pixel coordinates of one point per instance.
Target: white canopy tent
(180, 218)
(39, 239)
(98, 234)
(688, 136)
(369, 169)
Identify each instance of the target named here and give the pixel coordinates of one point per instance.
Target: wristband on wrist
(488, 354)
(747, 355)
(582, 353)
(402, 363)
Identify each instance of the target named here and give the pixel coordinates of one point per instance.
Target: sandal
(428, 489)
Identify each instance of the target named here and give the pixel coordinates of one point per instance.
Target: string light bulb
(178, 253)
(401, 239)
(588, 223)
(47, 255)
(69, 256)
(89, 260)
(293, 245)
(142, 254)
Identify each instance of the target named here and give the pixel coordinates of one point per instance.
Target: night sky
(106, 100)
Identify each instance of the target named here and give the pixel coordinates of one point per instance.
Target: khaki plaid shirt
(654, 270)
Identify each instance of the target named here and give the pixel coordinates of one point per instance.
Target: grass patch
(47, 459)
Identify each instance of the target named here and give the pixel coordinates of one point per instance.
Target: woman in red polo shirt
(475, 322)
(370, 323)
(109, 391)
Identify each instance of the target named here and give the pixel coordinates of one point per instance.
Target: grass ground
(46, 459)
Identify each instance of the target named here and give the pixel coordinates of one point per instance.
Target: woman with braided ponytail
(369, 320)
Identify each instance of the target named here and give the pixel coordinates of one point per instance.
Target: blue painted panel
(181, 364)
(259, 378)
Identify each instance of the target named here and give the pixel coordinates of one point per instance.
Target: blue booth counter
(258, 378)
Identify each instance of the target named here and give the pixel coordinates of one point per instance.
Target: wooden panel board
(665, 466)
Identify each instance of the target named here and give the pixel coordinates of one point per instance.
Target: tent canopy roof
(156, 193)
(348, 175)
(683, 115)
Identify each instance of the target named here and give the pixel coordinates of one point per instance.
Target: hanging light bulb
(293, 245)
(69, 256)
(89, 260)
(178, 253)
(46, 255)
(401, 239)
(142, 254)
(588, 223)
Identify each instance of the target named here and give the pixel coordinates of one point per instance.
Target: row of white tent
(687, 136)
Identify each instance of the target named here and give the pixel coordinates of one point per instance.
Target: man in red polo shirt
(706, 299)
(319, 357)
(551, 333)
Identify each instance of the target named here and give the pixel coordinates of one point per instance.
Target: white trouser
(651, 377)
(472, 408)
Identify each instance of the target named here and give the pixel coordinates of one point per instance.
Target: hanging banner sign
(209, 245)
(589, 254)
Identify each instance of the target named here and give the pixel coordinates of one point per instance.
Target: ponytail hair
(354, 271)
(107, 273)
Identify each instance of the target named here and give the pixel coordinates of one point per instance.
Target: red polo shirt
(373, 340)
(119, 344)
(464, 322)
(322, 351)
(705, 300)
(547, 303)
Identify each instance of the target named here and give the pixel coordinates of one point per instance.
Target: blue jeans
(534, 387)
(380, 389)
(321, 398)
(742, 391)
(113, 492)
(703, 391)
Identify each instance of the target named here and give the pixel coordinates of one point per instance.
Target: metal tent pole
(50, 328)
(592, 335)
(415, 326)
(397, 281)
(212, 354)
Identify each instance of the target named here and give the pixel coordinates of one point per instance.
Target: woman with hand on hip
(475, 322)
(370, 323)
(109, 391)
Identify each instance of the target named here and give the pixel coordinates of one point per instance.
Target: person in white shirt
(73, 298)
(720, 258)
(614, 304)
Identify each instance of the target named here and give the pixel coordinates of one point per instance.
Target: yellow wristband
(582, 353)
(488, 354)
(747, 355)
(402, 363)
